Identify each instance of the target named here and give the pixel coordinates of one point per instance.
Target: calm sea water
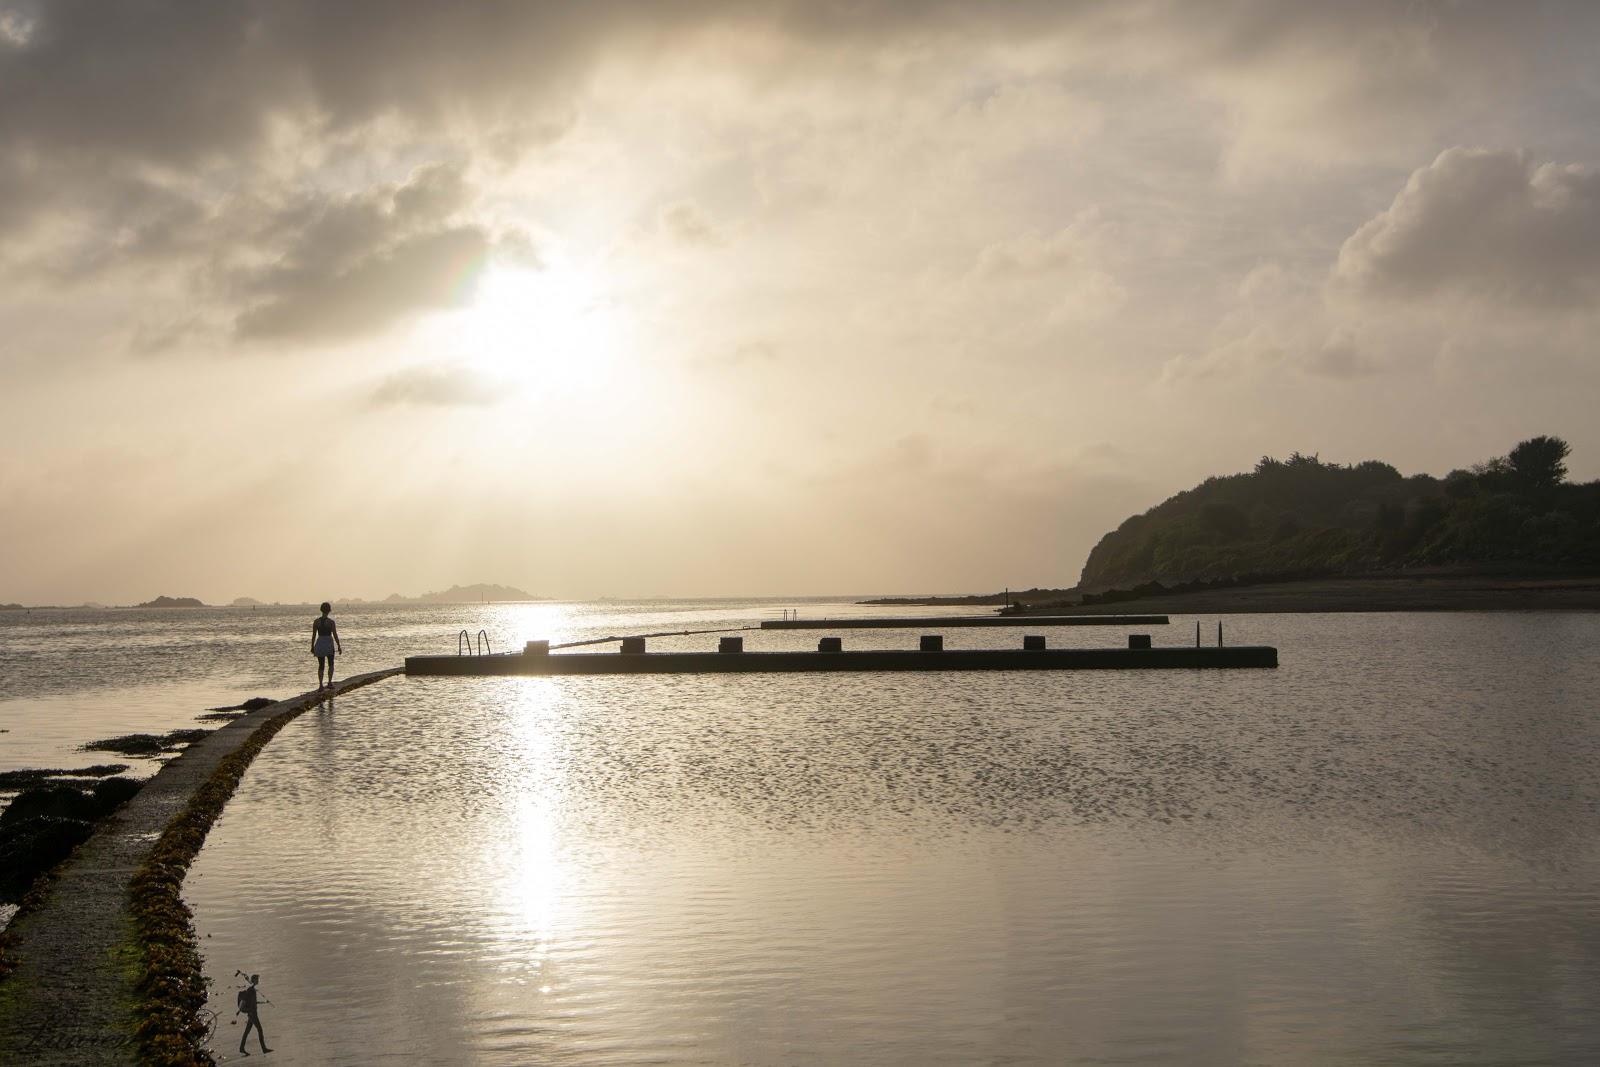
(71, 676)
(1383, 852)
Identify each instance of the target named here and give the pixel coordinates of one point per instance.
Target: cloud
(1340, 356)
(1057, 274)
(1297, 338)
(1483, 223)
(356, 264)
(687, 224)
(308, 298)
(1031, 255)
(97, 92)
(435, 385)
(105, 106)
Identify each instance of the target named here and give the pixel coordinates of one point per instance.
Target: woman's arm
(313, 636)
(338, 644)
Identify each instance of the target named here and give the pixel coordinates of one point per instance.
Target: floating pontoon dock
(732, 659)
(871, 622)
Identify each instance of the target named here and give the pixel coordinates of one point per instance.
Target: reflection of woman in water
(324, 641)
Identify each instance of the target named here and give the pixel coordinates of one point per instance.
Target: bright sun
(553, 330)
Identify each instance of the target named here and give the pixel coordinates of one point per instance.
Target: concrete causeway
(71, 1000)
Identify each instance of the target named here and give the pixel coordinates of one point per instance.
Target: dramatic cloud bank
(1495, 225)
(863, 296)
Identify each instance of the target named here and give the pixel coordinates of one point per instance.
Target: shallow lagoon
(1384, 851)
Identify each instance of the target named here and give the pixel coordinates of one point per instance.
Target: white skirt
(322, 646)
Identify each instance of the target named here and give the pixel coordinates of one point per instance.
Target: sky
(304, 300)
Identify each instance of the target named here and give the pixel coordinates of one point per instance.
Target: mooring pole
(1219, 633)
(1197, 633)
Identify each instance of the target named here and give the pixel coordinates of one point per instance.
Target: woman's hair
(326, 607)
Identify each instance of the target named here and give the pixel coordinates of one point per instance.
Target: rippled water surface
(68, 676)
(1384, 851)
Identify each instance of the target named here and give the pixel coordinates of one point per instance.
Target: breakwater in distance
(902, 622)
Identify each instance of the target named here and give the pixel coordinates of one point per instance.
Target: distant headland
(1510, 533)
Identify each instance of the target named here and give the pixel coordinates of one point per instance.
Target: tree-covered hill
(1301, 517)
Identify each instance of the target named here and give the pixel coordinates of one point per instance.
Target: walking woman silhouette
(324, 642)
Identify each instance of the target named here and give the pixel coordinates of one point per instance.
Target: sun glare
(552, 331)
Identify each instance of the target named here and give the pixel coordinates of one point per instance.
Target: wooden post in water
(1219, 633)
(1197, 633)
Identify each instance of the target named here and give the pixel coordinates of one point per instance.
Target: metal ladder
(464, 641)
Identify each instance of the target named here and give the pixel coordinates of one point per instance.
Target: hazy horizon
(711, 299)
(357, 599)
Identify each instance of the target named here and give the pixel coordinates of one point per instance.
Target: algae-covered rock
(58, 801)
(43, 775)
(253, 704)
(146, 744)
(42, 826)
(29, 847)
(128, 744)
(111, 793)
(49, 802)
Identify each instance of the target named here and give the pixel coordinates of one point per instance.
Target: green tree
(1539, 462)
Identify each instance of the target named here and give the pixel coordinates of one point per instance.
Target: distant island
(975, 599)
(171, 602)
(456, 594)
(1304, 535)
(464, 594)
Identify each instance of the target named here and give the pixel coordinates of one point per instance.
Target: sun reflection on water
(533, 877)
